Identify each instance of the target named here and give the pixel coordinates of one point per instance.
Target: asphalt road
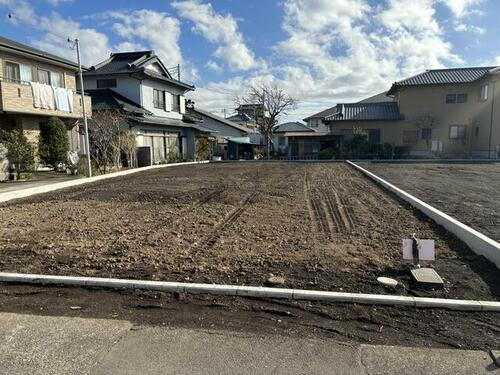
(32, 344)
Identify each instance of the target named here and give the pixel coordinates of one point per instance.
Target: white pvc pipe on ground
(28, 192)
(478, 242)
(253, 291)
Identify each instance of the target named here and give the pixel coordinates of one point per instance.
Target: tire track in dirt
(233, 215)
(328, 205)
(228, 220)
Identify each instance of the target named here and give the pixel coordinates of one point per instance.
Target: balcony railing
(16, 96)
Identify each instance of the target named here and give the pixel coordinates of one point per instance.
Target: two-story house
(151, 99)
(28, 79)
(447, 112)
(316, 122)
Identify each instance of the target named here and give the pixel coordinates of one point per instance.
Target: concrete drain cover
(427, 277)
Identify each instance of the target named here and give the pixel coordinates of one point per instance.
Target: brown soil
(340, 322)
(468, 192)
(320, 226)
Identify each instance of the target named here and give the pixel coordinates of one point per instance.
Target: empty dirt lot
(468, 192)
(320, 226)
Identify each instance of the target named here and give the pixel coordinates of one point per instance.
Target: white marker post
(417, 250)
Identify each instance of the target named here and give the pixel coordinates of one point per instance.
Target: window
(314, 123)
(164, 145)
(159, 99)
(57, 79)
(410, 136)
(477, 131)
(281, 140)
(106, 83)
(451, 98)
(426, 134)
(456, 98)
(26, 73)
(374, 135)
(457, 132)
(44, 76)
(176, 103)
(12, 72)
(483, 95)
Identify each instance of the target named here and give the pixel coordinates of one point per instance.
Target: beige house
(20, 65)
(445, 112)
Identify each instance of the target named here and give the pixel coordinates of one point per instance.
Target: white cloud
(221, 30)
(463, 27)
(57, 2)
(345, 50)
(212, 65)
(417, 15)
(158, 29)
(94, 45)
(461, 8)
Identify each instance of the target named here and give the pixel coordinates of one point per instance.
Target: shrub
(20, 152)
(400, 151)
(327, 154)
(53, 145)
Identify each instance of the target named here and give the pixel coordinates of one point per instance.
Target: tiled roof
(165, 121)
(107, 99)
(292, 127)
(379, 98)
(133, 62)
(366, 112)
(120, 63)
(322, 114)
(220, 119)
(444, 76)
(12, 45)
(240, 117)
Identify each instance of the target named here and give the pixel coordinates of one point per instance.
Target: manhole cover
(427, 277)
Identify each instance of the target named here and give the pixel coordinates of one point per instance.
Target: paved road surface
(59, 345)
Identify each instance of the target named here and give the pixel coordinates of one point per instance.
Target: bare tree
(103, 129)
(273, 101)
(128, 145)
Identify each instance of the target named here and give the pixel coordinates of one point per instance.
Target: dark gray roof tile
(292, 127)
(366, 112)
(444, 76)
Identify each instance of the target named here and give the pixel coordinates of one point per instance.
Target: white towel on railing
(62, 102)
(70, 100)
(43, 96)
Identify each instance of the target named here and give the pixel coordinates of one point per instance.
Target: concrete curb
(253, 291)
(478, 242)
(23, 193)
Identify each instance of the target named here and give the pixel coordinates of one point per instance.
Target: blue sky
(321, 51)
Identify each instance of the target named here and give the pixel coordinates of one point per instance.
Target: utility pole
(76, 44)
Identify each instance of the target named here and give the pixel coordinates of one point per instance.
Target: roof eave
(41, 57)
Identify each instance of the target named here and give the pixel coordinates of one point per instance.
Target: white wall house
(138, 85)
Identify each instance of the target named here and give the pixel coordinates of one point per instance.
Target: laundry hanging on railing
(64, 99)
(53, 98)
(43, 96)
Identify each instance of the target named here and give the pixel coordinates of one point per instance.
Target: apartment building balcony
(16, 97)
